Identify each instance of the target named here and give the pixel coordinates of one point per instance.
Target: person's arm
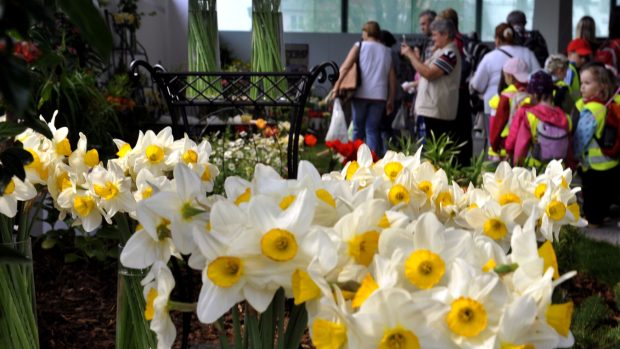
(498, 122)
(586, 126)
(346, 66)
(429, 72)
(480, 80)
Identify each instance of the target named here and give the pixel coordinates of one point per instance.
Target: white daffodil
(82, 205)
(427, 185)
(147, 184)
(158, 285)
(124, 149)
(196, 157)
(330, 323)
(82, 159)
(15, 190)
(427, 251)
(149, 244)
(329, 206)
(112, 188)
(38, 170)
(152, 152)
(474, 303)
(558, 207)
(238, 190)
(360, 170)
(226, 222)
(504, 186)
(358, 233)
(180, 207)
(392, 163)
(61, 148)
(390, 318)
(494, 221)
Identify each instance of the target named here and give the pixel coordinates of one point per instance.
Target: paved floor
(609, 232)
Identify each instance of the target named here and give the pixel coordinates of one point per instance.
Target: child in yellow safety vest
(599, 172)
(557, 66)
(540, 130)
(515, 74)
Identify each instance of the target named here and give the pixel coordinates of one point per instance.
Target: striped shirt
(446, 62)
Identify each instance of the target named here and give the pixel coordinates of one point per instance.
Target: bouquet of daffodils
(384, 254)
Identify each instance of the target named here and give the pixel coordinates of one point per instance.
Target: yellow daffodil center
(190, 157)
(368, 286)
(547, 253)
(353, 167)
(444, 199)
(559, 317)
(124, 150)
(564, 184)
(509, 198)
(279, 245)
(326, 197)
(83, 205)
(426, 187)
(399, 338)
(489, 265)
(328, 335)
(517, 346)
(245, 197)
(574, 209)
(107, 191)
(91, 158)
(286, 201)
(10, 188)
(62, 181)
(472, 206)
(206, 174)
(556, 210)
(304, 288)
(384, 222)
(37, 165)
(467, 317)
(495, 229)
(63, 147)
(225, 271)
(398, 194)
(424, 269)
(147, 192)
(149, 311)
(154, 154)
(540, 190)
(392, 170)
(363, 247)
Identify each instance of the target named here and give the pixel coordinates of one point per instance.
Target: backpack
(610, 139)
(551, 142)
(474, 50)
(609, 54)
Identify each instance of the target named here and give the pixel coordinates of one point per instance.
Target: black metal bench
(241, 90)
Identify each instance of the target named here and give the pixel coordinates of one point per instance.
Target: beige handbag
(353, 79)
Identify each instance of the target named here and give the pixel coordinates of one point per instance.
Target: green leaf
(9, 255)
(48, 243)
(10, 129)
(92, 27)
(71, 258)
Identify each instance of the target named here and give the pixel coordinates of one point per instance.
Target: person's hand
(404, 49)
(389, 107)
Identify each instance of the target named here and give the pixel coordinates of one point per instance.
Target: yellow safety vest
(511, 91)
(594, 155)
(575, 84)
(533, 121)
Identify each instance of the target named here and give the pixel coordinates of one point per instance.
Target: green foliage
(591, 325)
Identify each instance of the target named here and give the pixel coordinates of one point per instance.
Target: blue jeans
(367, 123)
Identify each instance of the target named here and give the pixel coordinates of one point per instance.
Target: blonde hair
(556, 61)
(603, 76)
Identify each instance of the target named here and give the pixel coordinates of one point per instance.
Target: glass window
(317, 16)
(597, 9)
(392, 15)
(494, 12)
(234, 15)
(466, 10)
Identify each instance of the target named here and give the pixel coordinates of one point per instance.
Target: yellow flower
(353, 167)
(107, 191)
(467, 317)
(225, 271)
(326, 197)
(426, 187)
(399, 338)
(149, 311)
(392, 169)
(559, 317)
(495, 229)
(384, 222)
(124, 150)
(245, 197)
(489, 265)
(509, 198)
(547, 253)
(424, 269)
(517, 346)
(540, 190)
(368, 286)
(206, 175)
(328, 335)
(91, 158)
(63, 147)
(556, 210)
(154, 154)
(286, 201)
(189, 157)
(398, 194)
(10, 188)
(444, 199)
(279, 245)
(304, 288)
(364, 246)
(83, 205)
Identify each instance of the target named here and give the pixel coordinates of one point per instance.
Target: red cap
(581, 46)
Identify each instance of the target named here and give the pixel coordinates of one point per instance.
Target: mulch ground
(76, 304)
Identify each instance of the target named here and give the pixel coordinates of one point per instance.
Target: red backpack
(609, 54)
(610, 139)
